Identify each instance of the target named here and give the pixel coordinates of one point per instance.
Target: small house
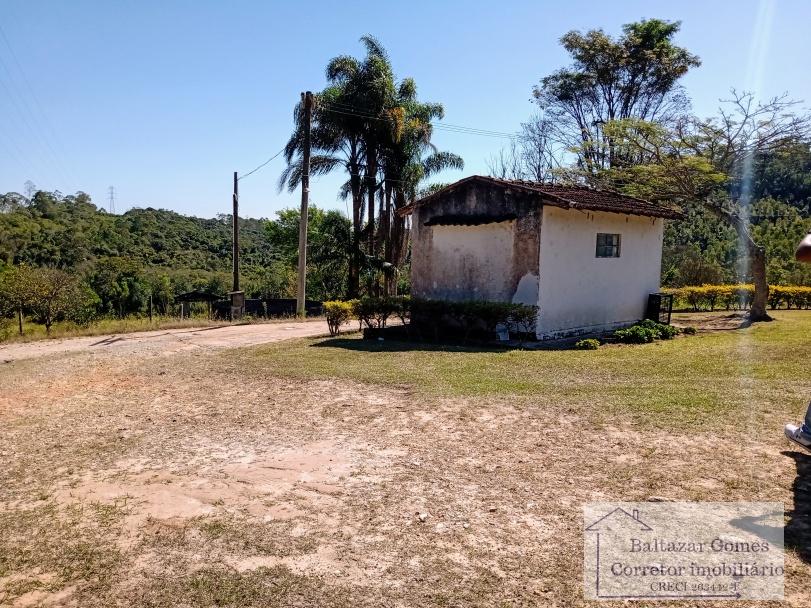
(587, 258)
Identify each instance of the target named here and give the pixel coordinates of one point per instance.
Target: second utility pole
(301, 292)
(235, 226)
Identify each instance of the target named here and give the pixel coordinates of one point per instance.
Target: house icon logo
(619, 519)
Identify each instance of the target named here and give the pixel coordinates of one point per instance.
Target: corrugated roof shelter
(588, 258)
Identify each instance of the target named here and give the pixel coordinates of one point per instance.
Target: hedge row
(434, 315)
(738, 297)
(372, 312)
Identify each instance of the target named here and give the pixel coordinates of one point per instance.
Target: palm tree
(380, 134)
(409, 159)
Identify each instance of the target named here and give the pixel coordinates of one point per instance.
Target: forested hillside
(125, 258)
(71, 231)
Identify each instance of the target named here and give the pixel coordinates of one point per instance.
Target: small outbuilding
(587, 258)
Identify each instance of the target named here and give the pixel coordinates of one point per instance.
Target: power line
(262, 165)
(49, 126)
(440, 126)
(348, 110)
(24, 111)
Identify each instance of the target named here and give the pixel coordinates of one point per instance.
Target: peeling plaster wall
(496, 261)
(580, 292)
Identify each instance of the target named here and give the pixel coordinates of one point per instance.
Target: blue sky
(165, 99)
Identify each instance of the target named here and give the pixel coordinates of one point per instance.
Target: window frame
(604, 250)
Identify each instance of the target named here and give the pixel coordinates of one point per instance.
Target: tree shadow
(798, 528)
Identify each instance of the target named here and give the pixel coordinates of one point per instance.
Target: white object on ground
(796, 434)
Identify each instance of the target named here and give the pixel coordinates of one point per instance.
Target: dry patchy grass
(293, 474)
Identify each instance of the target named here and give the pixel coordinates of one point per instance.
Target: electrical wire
(344, 109)
(262, 165)
(448, 127)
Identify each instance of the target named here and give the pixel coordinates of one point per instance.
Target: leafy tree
(121, 286)
(52, 293)
(329, 240)
(15, 291)
(710, 162)
(634, 76)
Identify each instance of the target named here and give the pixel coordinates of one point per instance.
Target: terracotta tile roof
(567, 197)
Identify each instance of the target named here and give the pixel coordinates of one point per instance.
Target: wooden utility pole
(301, 292)
(235, 223)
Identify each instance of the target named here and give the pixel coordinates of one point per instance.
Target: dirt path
(168, 340)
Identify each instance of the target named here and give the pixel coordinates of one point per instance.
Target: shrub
(738, 297)
(475, 316)
(402, 308)
(646, 331)
(636, 334)
(522, 319)
(689, 330)
(667, 332)
(587, 344)
(337, 314)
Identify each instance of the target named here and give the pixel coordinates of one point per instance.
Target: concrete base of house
(586, 330)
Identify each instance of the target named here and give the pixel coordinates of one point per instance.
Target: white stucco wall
(471, 262)
(580, 292)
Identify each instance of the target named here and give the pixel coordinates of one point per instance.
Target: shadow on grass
(798, 528)
(393, 346)
(402, 344)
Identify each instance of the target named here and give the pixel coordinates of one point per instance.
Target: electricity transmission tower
(111, 199)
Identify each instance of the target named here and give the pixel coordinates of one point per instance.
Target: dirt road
(168, 341)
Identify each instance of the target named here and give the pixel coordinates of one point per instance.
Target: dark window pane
(608, 245)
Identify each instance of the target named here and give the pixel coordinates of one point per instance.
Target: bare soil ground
(186, 476)
(167, 341)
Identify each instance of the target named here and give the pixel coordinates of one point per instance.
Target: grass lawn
(718, 378)
(338, 472)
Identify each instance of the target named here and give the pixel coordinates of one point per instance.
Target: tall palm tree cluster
(374, 128)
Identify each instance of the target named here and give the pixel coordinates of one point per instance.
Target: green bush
(667, 332)
(636, 334)
(645, 331)
(587, 344)
(337, 314)
(375, 312)
(710, 297)
(474, 316)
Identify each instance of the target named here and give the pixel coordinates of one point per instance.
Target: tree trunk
(757, 255)
(353, 288)
(371, 187)
(757, 260)
(385, 226)
(20, 319)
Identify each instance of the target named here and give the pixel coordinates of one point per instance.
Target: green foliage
(587, 344)
(375, 312)
(472, 316)
(636, 334)
(634, 76)
(738, 297)
(645, 331)
(329, 246)
(371, 126)
(703, 249)
(49, 294)
(337, 313)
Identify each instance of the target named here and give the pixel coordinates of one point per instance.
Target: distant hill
(71, 232)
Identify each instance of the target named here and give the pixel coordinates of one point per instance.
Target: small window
(608, 245)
